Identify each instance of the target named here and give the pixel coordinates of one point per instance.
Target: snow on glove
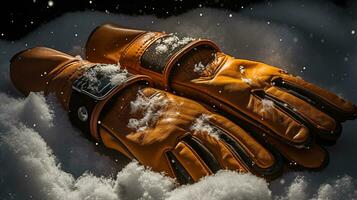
(275, 107)
(123, 112)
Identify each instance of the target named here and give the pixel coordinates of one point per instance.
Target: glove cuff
(92, 91)
(156, 54)
(150, 53)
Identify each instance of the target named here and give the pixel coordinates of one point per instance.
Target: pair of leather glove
(181, 106)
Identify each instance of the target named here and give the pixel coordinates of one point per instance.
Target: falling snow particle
(230, 15)
(201, 14)
(353, 32)
(50, 3)
(282, 181)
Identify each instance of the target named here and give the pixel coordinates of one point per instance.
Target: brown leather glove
(274, 106)
(168, 133)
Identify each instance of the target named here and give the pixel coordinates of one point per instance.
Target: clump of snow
(297, 189)
(151, 109)
(340, 188)
(170, 43)
(31, 110)
(225, 185)
(247, 80)
(138, 182)
(31, 162)
(241, 69)
(161, 48)
(267, 105)
(201, 124)
(199, 68)
(243, 77)
(114, 73)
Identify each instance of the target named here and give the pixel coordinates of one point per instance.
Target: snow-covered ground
(43, 157)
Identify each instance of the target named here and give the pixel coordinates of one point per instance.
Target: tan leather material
(114, 46)
(52, 72)
(335, 100)
(168, 133)
(259, 155)
(288, 111)
(190, 160)
(319, 119)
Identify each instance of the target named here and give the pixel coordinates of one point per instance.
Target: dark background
(21, 17)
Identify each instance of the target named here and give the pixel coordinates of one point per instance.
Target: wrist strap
(92, 90)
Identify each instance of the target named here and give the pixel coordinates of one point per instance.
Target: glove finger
(323, 125)
(324, 100)
(314, 158)
(236, 149)
(277, 121)
(188, 157)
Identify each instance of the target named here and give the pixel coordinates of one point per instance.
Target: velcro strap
(161, 55)
(92, 90)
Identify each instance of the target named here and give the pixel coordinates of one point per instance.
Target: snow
(162, 48)
(52, 160)
(201, 124)
(199, 68)
(116, 75)
(241, 69)
(296, 190)
(247, 80)
(340, 188)
(150, 107)
(223, 186)
(267, 105)
(170, 43)
(50, 3)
